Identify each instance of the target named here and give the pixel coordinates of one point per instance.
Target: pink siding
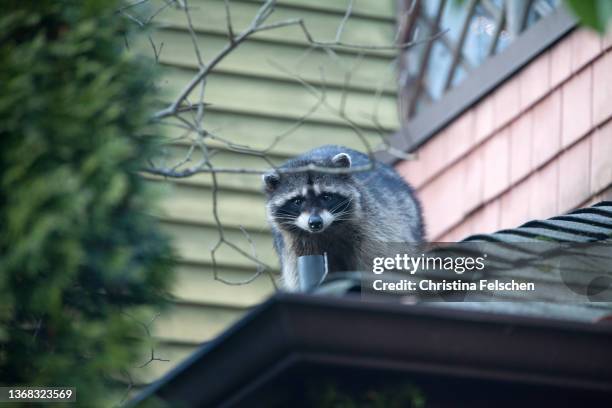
(539, 145)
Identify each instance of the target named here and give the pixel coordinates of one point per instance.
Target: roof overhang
(292, 331)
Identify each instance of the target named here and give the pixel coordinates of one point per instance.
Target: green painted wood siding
(253, 103)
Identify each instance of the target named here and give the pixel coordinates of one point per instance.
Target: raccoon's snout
(315, 223)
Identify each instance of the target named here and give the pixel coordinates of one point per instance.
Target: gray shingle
(590, 224)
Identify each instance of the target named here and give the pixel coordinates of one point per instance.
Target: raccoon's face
(311, 202)
(311, 211)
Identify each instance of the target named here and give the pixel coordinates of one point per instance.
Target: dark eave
(420, 341)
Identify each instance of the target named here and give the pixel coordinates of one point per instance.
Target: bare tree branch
(261, 15)
(147, 328)
(193, 36)
(187, 110)
(228, 21)
(347, 15)
(186, 114)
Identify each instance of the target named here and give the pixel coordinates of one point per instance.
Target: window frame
(484, 79)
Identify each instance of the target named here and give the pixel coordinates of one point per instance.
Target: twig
(228, 21)
(168, 172)
(156, 52)
(129, 388)
(349, 10)
(146, 327)
(192, 34)
(222, 240)
(263, 12)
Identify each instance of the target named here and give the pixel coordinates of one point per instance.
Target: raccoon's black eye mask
(334, 203)
(291, 208)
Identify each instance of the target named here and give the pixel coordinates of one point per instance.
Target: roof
(530, 352)
(563, 294)
(292, 338)
(590, 224)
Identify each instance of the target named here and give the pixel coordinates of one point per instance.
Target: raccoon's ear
(271, 180)
(342, 160)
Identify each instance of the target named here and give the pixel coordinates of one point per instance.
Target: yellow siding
(253, 103)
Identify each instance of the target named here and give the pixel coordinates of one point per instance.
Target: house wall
(537, 146)
(252, 103)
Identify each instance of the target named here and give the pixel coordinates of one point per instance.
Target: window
(473, 30)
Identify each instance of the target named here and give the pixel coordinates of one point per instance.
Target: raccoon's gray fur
(352, 216)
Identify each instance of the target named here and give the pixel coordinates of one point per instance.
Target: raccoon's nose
(315, 222)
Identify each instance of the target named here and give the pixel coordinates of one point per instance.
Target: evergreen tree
(80, 257)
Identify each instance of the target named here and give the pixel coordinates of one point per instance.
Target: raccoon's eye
(326, 197)
(297, 201)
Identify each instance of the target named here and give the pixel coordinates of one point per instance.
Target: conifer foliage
(80, 258)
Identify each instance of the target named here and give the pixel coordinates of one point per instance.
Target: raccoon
(350, 216)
